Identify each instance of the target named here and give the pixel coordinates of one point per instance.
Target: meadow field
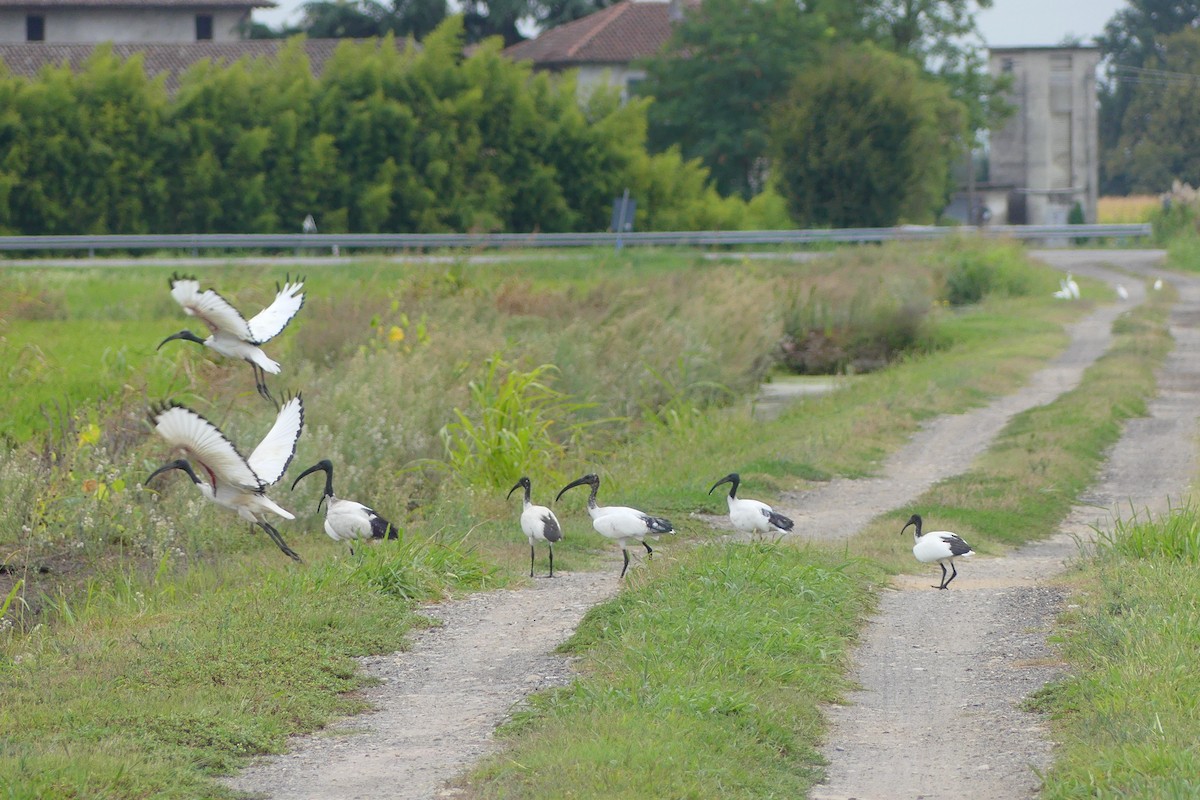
(148, 642)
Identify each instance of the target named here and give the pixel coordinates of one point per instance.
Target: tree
(1132, 39)
(363, 19)
(727, 63)
(866, 140)
(1160, 135)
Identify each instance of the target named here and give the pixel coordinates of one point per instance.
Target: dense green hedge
(386, 140)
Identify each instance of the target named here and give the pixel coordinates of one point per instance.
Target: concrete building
(94, 21)
(1045, 159)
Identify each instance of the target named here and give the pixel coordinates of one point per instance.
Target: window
(35, 28)
(204, 27)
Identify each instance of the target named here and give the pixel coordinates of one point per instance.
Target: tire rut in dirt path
(944, 673)
(438, 704)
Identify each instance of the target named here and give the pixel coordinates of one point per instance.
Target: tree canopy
(866, 140)
(1134, 41)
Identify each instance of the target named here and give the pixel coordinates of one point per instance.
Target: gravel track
(938, 715)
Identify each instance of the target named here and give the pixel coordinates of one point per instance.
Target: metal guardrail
(436, 241)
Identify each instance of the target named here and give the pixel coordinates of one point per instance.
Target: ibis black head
(326, 465)
(731, 478)
(591, 479)
(915, 519)
(524, 482)
(186, 335)
(178, 463)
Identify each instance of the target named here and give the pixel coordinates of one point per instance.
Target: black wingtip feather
(781, 522)
(658, 524)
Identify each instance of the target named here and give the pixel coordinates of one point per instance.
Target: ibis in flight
(232, 334)
(622, 524)
(228, 479)
(539, 524)
(751, 516)
(346, 520)
(938, 547)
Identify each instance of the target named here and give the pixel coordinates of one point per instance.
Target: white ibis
(1122, 292)
(1072, 286)
(1158, 284)
(232, 334)
(751, 516)
(1063, 293)
(539, 524)
(622, 524)
(346, 520)
(234, 482)
(938, 547)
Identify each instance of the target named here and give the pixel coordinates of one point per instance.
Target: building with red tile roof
(606, 46)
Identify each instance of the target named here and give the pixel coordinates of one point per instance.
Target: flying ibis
(229, 479)
(938, 547)
(346, 520)
(539, 524)
(751, 516)
(622, 524)
(232, 334)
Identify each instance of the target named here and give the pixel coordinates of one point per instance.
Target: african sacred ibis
(1072, 286)
(622, 524)
(1063, 293)
(346, 520)
(232, 334)
(938, 547)
(539, 524)
(234, 482)
(751, 516)
(1158, 284)
(1122, 292)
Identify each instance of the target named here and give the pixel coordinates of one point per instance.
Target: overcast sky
(1007, 23)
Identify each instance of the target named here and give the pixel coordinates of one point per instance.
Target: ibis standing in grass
(751, 516)
(620, 523)
(232, 334)
(230, 480)
(938, 547)
(539, 524)
(346, 520)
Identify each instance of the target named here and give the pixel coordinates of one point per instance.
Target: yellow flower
(396, 334)
(89, 435)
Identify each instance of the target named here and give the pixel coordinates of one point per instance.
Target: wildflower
(90, 485)
(396, 334)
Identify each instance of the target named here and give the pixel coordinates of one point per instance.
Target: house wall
(1048, 149)
(621, 76)
(90, 25)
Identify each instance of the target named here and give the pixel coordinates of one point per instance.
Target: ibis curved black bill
(732, 478)
(523, 483)
(327, 466)
(187, 336)
(591, 479)
(178, 463)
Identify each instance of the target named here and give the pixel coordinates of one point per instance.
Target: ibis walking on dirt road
(938, 547)
(620, 523)
(751, 516)
(538, 523)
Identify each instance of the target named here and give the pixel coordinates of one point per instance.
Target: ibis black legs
(278, 540)
(260, 383)
(551, 561)
(625, 553)
(945, 584)
(649, 550)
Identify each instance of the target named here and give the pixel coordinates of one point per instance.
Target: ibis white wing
(209, 306)
(273, 454)
(266, 324)
(203, 442)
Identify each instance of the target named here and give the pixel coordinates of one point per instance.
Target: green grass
(1127, 716)
(701, 680)
(151, 684)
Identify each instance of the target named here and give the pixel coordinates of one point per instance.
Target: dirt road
(943, 673)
